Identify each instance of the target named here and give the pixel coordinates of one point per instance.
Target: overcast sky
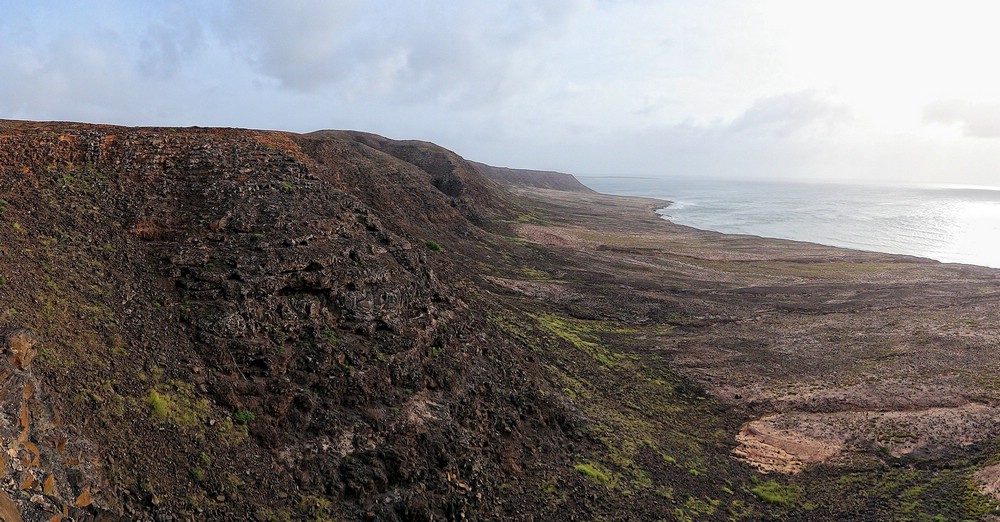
(790, 89)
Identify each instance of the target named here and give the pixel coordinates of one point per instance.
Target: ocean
(949, 223)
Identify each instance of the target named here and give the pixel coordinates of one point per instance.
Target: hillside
(532, 178)
(228, 324)
(237, 322)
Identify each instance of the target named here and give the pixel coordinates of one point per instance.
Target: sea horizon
(947, 222)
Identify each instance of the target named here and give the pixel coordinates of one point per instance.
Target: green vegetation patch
(309, 508)
(776, 493)
(533, 273)
(944, 491)
(244, 417)
(651, 424)
(594, 472)
(176, 404)
(580, 335)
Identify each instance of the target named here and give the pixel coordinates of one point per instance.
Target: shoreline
(816, 243)
(881, 247)
(790, 305)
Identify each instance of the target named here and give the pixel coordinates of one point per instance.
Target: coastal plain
(840, 361)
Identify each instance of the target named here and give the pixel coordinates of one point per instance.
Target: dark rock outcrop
(229, 314)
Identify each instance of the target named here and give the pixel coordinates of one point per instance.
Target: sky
(792, 89)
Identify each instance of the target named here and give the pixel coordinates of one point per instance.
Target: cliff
(230, 322)
(234, 323)
(532, 178)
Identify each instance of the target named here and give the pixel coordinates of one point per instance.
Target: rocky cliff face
(234, 323)
(474, 196)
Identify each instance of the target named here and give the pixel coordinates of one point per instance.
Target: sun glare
(890, 59)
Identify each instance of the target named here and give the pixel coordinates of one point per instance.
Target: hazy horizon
(817, 181)
(852, 91)
(948, 223)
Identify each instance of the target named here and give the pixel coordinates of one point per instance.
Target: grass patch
(230, 433)
(159, 403)
(244, 417)
(315, 508)
(776, 493)
(909, 493)
(636, 407)
(433, 245)
(580, 336)
(176, 404)
(533, 273)
(594, 472)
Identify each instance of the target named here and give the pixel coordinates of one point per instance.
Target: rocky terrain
(224, 324)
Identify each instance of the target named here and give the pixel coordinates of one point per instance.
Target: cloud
(791, 135)
(303, 44)
(975, 119)
(790, 114)
(590, 86)
(452, 53)
(168, 45)
(71, 71)
(82, 63)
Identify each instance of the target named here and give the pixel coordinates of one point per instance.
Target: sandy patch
(551, 236)
(772, 449)
(551, 291)
(788, 442)
(988, 481)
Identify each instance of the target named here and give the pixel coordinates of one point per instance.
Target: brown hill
(234, 323)
(475, 197)
(532, 178)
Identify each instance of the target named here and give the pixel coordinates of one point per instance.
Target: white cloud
(304, 44)
(975, 119)
(451, 53)
(71, 70)
(167, 46)
(791, 115)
